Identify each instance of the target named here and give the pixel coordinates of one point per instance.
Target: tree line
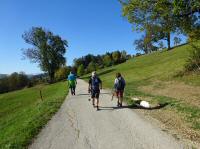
(13, 82)
(17, 81)
(89, 63)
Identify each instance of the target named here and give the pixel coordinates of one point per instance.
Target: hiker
(95, 84)
(119, 86)
(72, 82)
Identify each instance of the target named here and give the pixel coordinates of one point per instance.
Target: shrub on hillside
(193, 62)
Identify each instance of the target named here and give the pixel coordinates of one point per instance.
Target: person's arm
(89, 86)
(115, 84)
(75, 79)
(100, 83)
(68, 83)
(124, 82)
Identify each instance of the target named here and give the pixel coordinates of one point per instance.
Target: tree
(177, 41)
(62, 73)
(123, 56)
(48, 50)
(188, 12)
(153, 16)
(91, 67)
(80, 70)
(170, 15)
(161, 45)
(107, 60)
(13, 82)
(116, 55)
(145, 44)
(22, 80)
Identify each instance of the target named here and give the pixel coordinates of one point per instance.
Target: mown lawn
(23, 113)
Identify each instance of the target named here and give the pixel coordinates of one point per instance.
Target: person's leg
(121, 98)
(97, 103)
(93, 98)
(97, 97)
(71, 90)
(74, 90)
(118, 98)
(93, 101)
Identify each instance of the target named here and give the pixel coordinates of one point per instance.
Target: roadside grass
(23, 113)
(153, 69)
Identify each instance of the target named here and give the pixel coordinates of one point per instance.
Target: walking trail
(77, 125)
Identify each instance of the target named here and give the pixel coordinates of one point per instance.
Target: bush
(62, 73)
(193, 62)
(81, 70)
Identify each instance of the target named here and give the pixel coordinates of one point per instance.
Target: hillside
(23, 113)
(154, 77)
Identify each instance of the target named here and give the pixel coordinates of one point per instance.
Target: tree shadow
(133, 106)
(106, 93)
(83, 94)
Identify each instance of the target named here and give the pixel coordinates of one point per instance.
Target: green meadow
(23, 113)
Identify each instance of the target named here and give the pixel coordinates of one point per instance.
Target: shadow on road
(134, 106)
(83, 94)
(90, 94)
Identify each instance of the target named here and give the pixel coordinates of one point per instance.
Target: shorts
(72, 86)
(119, 93)
(95, 94)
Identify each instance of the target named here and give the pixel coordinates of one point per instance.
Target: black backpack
(120, 85)
(95, 83)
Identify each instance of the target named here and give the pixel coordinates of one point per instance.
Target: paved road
(77, 125)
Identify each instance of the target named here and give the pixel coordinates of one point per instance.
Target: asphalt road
(77, 125)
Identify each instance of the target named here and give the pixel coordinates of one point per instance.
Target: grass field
(154, 77)
(23, 113)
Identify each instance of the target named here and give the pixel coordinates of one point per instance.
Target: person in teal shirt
(72, 82)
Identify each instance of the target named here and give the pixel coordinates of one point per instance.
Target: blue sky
(90, 26)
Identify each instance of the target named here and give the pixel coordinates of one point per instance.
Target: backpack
(95, 83)
(120, 84)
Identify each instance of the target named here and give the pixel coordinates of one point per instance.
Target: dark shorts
(95, 93)
(72, 86)
(119, 93)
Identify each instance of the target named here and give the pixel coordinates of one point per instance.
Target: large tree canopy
(164, 16)
(48, 49)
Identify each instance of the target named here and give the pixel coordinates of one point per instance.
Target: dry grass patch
(187, 94)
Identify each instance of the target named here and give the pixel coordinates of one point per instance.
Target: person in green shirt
(72, 82)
